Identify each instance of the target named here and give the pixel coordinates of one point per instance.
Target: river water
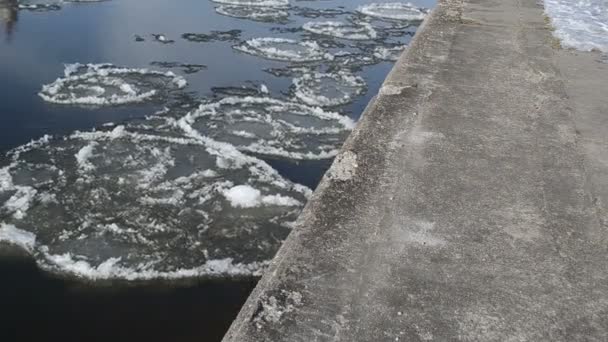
(156, 153)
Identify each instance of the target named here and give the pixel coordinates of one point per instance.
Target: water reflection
(9, 10)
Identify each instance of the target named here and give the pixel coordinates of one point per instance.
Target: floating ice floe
(308, 12)
(388, 53)
(393, 11)
(266, 3)
(272, 127)
(362, 31)
(223, 36)
(255, 13)
(39, 5)
(283, 49)
(328, 89)
(124, 205)
(580, 24)
(48, 5)
(187, 68)
(105, 84)
(161, 38)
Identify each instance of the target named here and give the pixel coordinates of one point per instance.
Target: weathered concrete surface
(469, 205)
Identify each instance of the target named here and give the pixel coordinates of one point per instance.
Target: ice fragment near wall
(121, 204)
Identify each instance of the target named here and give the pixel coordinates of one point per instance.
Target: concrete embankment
(470, 204)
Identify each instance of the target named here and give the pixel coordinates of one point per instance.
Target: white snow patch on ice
(83, 155)
(243, 196)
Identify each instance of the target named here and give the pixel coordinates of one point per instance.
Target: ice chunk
(284, 49)
(105, 84)
(245, 196)
(328, 89)
(393, 11)
(388, 53)
(124, 204)
(580, 24)
(267, 126)
(161, 38)
(255, 13)
(269, 3)
(361, 31)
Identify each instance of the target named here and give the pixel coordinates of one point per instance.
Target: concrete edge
(394, 83)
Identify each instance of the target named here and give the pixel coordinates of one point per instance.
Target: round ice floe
(388, 53)
(105, 84)
(393, 10)
(328, 89)
(362, 31)
(284, 49)
(125, 205)
(256, 13)
(268, 3)
(271, 127)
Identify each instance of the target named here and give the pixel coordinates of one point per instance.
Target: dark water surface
(35, 306)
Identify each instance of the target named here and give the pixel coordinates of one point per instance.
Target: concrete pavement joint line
(468, 205)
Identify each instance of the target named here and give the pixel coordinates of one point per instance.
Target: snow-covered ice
(105, 84)
(284, 49)
(123, 204)
(328, 89)
(361, 31)
(267, 126)
(580, 24)
(393, 11)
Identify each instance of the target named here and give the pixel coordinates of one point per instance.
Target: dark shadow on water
(37, 307)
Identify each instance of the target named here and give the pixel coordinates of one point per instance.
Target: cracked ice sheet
(270, 127)
(125, 205)
(106, 84)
